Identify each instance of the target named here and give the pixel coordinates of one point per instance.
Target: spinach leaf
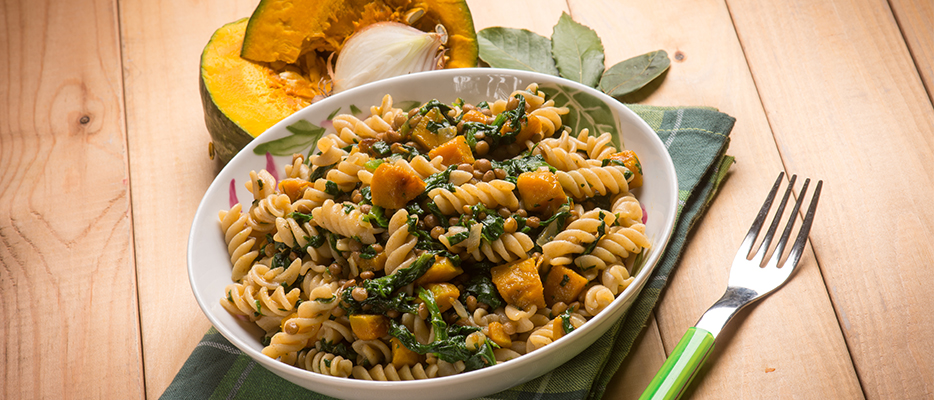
(482, 288)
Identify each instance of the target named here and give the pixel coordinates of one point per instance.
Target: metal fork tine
(792, 218)
(770, 233)
(746, 247)
(798, 247)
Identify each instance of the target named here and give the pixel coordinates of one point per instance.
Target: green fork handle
(681, 366)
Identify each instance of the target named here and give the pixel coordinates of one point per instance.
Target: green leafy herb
(516, 49)
(348, 208)
(381, 148)
(331, 188)
(633, 74)
(320, 172)
(376, 217)
(340, 349)
(440, 180)
(368, 252)
(566, 320)
(525, 162)
(578, 51)
(481, 286)
(300, 217)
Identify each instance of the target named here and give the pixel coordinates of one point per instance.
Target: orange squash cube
(631, 161)
(393, 186)
(401, 355)
(563, 285)
(519, 283)
(294, 187)
(541, 192)
(445, 294)
(369, 326)
(442, 270)
(455, 151)
(497, 333)
(426, 137)
(475, 116)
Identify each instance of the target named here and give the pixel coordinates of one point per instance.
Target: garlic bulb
(384, 50)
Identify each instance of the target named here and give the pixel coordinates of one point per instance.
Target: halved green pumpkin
(242, 99)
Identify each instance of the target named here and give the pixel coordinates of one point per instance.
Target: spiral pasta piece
(313, 196)
(253, 301)
(263, 214)
(509, 247)
(345, 220)
(597, 298)
(371, 127)
(347, 172)
(328, 364)
(421, 166)
(493, 194)
(627, 208)
(239, 242)
(391, 373)
(331, 147)
(596, 147)
(371, 352)
(620, 242)
(261, 184)
(399, 246)
(616, 278)
(571, 240)
(594, 181)
(298, 169)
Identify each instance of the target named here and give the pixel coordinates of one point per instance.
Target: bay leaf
(578, 51)
(633, 74)
(585, 111)
(516, 49)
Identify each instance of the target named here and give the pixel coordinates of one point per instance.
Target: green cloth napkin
(696, 138)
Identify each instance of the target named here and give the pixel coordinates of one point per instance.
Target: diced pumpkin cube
(541, 192)
(394, 186)
(445, 294)
(519, 283)
(376, 263)
(631, 161)
(401, 355)
(294, 187)
(442, 270)
(497, 333)
(426, 137)
(529, 129)
(369, 326)
(563, 285)
(475, 116)
(455, 151)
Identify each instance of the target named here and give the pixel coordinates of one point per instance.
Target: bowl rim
(279, 368)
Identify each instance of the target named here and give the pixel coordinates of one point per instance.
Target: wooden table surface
(103, 159)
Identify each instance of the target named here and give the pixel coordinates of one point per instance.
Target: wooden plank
(916, 21)
(845, 103)
(537, 16)
(69, 307)
(639, 367)
(169, 165)
(709, 69)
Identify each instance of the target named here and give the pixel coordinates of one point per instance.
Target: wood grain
(709, 68)
(169, 165)
(845, 102)
(67, 285)
(916, 21)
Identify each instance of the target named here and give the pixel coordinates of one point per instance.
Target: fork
(749, 281)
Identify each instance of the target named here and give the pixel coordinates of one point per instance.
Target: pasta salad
(425, 243)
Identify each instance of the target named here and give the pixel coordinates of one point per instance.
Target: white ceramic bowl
(209, 264)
